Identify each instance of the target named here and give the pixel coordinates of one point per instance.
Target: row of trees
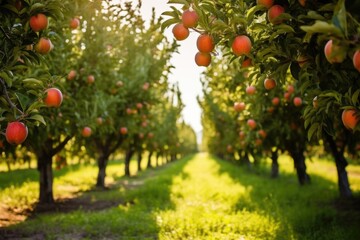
(110, 75)
(285, 77)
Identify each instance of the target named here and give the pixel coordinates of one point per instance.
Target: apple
(119, 84)
(38, 22)
(274, 12)
(239, 106)
(71, 75)
(44, 46)
(297, 101)
(150, 135)
(356, 60)
(53, 97)
(123, 130)
(275, 101)
(229, 148)
(99, 120)
(265, 3)
(350, 118)
(287, 96)
(146, 86)
(74, 23)
(180, 32)
(16, 132)
(262, 133)
(242, 135)
(205, 43)
(241, 45)
(90, 79)
(86, 132)
(333, 53)
(250, 90)
(290, 89)
(139, 105)
(269, 83)
(189, 18)
(251, 123)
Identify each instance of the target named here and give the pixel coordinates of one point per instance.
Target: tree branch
(12, 105)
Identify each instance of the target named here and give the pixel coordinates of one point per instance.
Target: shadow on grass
(304, 212)
(124, 211)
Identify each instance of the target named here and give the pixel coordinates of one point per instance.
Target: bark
(46, 179)
(173, 157)
(102, 163)
(128, 155)
(300, 166)
(8, 166)
(149, 160)
(139, 158)
(244, 159)
(341, 163)
(274, 164)
(157, 158)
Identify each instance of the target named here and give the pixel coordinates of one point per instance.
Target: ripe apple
(16, 132)
(90, 79)
(139, 105)
(86, 132)
(53, 97)
(129, 111)
(38, 22)
(246, 63)
(302, 2)
(205, 43)
(262, 133)
(269, 83)
(99, 120)
(203, 59)
(258, 142)
(229, 148)
(274, 12)
(350, 118)
(44, 46)
(180, 32)
(290, 89)
(241, 45)
(356, 60)
(144, 123)
(146, 86)
(250, 90)
(189, 18)
(302, 60)
(265, 3)
(150, 135)
(275, 101)
(74, 23)
(239, 106)
(71, 75)
(123, 130)
(141, 135)
(297, 101)
(242, 135)
(287, 96)
(333, 53)
(251, 123)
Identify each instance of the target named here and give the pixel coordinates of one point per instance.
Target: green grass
(200, 197)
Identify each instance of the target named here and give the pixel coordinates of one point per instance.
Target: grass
(199, 197)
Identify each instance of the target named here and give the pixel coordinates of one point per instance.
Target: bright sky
(186, 72)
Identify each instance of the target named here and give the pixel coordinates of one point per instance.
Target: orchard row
(87, 80)
(281, 76)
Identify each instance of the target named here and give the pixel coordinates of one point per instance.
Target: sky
(186, 72)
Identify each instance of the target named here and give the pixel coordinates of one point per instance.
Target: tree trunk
(341, 163)
(300, 166)
(173, 157)
(102, 163)
(139, 158)
(8, 166)
(149, 160)
(46, 179)
(157, 159)
(128, 155)
(244, 159)
(274, 164)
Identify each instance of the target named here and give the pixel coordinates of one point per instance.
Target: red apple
(242, 135)
(139, 105)
(333, 53)
(290, 89)
(239, 106)
(123, 130)
(16, 132)
(350, 118)
(356, 60)
(250, 90)
(90, 79)
(74, 23)
(241, 45)
(262, 133)
(274, 12)
(71, 75)
(275, 101)
(38, 22)
(44, 46)
(251, 123)
(146, 86)
(53, 97)
(269, 83)
(297, 101)
(99, 120)
(189, 18)
(86, 132)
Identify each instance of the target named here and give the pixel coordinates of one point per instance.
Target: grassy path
(201, 197)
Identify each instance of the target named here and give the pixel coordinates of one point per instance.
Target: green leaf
(168, 22)
(355, 97)
(312, 130)
(322, 27)
(339, 17)
(38, 118)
